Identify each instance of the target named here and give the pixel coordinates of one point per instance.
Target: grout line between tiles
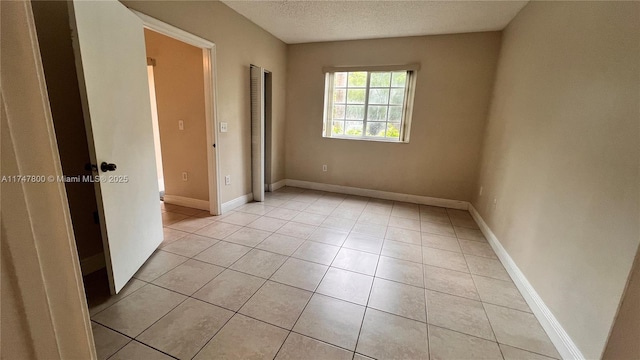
(130, 340)
(305, 306)
(329, 266)
(485, 312)
(426, 307)
(333, 297)
(364, 315)
(149, 346)
(234, 312)
(361, 208)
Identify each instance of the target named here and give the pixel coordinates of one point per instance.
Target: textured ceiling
(312, 21)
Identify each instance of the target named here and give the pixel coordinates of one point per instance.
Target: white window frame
(407, 106)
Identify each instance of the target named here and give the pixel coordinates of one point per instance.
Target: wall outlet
(227, 180)
(181, 124)
(223, 127)
(185, 176)
(324, 168)
(480, 192)
(495, 203)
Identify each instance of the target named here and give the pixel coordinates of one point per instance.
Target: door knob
(107, 167)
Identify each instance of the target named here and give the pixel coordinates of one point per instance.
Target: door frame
(38, 248)
(210, 98)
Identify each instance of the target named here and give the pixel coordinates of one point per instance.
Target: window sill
(372, 139)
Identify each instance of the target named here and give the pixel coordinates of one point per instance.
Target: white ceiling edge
(304, 21)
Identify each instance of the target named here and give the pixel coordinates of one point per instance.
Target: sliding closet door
(257, 132)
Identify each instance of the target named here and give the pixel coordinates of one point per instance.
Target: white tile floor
(313, 275)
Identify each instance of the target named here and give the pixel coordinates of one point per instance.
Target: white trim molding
(562, 341)
(407, 67)
(185, 201)
(172, 31)
(237, 202)
(416, 199)
(277, 185)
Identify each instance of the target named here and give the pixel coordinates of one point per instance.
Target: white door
(257, 132)
(112, 73)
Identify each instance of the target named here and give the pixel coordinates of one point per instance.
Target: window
(370, 104)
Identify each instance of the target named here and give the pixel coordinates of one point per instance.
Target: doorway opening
(177, 95)
(156, 127)
(202, 182)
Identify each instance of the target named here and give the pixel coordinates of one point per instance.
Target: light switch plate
(223, 127)
(180, 124)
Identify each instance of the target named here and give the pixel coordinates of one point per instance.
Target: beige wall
(179, 84)
(623, 343)
(451, 100)
(239, 43)
(52, 23)
(561, 158)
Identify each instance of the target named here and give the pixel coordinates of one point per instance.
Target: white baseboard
(277, 185)
(188, 202)
(239, 201)
(92, 264)
(563, 343)
(416, 199)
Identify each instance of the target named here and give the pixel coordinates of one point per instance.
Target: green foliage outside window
(392, 131)
(337, 128)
